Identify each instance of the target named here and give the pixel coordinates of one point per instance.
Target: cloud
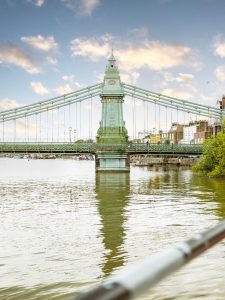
(130, 78)
(51, 60)
(69, 78)
(13, 54)
(154, 55)
(180, 78)
(177, 94)
(38, 88)
(81, 7)
(38, 3)
(220, 73)
(7, 103)
(219, 46)
(94, 49)
(64, 89)
(40, 42)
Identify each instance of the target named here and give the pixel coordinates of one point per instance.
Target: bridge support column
(112, 162)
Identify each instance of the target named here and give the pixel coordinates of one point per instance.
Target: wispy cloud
(180, 77)
(7, 103)
(38, 3)
(63, 89)
(219, 46)
(14, 55)
(40, 42)
(177, 94)
(154, 55)
(93, 48)
(81, 7)
(130, 78)
(38, 88)
(71, 78)
(220, 73)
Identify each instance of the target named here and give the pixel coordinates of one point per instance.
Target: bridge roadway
(130, 148)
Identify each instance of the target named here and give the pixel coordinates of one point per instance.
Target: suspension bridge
(68, 123)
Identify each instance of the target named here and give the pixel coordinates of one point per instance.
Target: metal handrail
(134, 280)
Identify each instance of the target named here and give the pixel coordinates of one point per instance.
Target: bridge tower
(112, 126)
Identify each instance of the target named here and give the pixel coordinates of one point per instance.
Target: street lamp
(70, 131)
(74, 134)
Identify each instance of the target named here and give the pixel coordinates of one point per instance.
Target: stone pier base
(112, 162)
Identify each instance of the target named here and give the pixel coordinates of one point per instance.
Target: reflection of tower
(112, 191)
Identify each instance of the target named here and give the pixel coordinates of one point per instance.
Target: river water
(63, 228)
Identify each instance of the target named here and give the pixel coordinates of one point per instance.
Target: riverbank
(149, 160)
(47, 156)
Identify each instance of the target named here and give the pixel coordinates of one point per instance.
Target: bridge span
(73, 148)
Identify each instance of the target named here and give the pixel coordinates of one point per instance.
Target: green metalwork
(50, 104)
(112, 126)
(174, 103)
(169, 149)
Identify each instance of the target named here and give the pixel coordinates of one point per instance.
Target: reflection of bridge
(168, 149)
(54, 125)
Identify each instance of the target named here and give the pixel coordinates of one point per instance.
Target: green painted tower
(112, 126)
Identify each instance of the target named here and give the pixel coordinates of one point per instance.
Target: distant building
(222, 103)
(175, 133)
(189, 134)
(155, 138)
(143, 136)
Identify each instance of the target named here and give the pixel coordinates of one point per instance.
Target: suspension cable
(3, 131)
(80, 121)
(47, 124)
(58, 125)
(52, 112)
(36, 129)
(91, 117)
(14, 130)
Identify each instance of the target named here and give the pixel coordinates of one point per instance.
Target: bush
(212, 162)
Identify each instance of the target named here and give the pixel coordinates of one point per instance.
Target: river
(64, 228)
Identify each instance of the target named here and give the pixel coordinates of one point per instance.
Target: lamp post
(70, 131)
(74, 134)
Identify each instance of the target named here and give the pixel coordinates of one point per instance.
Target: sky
(52, 47)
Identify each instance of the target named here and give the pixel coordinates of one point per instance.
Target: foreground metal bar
(132, 281)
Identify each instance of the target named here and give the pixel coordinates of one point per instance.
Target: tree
(212, 162)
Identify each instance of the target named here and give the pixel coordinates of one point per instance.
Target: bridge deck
(169, 149)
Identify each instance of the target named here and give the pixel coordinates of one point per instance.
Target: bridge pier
(112, 162)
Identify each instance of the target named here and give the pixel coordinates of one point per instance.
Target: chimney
(223, 102)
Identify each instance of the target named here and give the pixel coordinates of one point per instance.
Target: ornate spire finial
(112, 56)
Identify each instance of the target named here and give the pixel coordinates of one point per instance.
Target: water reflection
(211, 189)
(207, 190)
(112, 192)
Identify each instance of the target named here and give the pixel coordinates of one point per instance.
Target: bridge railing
(130, 148)
(134, 280)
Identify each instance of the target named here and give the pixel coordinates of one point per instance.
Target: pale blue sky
(48, 47)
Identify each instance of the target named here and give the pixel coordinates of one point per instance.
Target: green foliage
(167, 142)
(212, 162)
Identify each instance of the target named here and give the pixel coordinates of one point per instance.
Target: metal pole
(133, 280)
